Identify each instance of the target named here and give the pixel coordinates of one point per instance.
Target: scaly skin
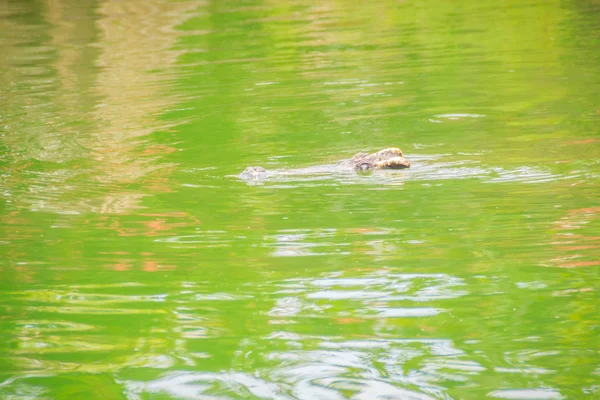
(390, 158)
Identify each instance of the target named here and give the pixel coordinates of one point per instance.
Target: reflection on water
(333, 360)
(135, 264)
(94, 100)
(299, 365)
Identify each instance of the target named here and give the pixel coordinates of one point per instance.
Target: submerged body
(390, 158)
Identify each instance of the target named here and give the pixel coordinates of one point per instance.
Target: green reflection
(135, 266)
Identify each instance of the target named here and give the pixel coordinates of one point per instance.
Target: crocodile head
(390, 158)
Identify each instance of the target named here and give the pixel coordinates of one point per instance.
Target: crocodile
(390, 158)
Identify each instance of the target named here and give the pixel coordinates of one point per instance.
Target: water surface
(135, 265)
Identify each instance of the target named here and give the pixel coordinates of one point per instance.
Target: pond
(136, 264)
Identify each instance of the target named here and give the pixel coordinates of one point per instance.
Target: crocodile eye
(363, 167)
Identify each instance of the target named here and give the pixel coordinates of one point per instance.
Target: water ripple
(425, 168)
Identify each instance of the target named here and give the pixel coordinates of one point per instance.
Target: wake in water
(424, 168)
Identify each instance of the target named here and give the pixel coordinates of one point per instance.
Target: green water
(135, 265)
